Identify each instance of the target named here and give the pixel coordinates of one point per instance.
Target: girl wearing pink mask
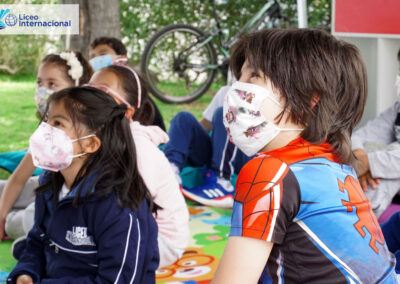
(93, 212)
(56, 72)
(127, 87)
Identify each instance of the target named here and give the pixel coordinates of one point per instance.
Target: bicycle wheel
(177, 66)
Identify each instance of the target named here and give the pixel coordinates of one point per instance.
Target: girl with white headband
(126, 86)
(55, 72)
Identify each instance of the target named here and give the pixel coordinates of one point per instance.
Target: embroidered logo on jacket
(78, 237)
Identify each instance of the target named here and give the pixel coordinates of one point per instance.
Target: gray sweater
(380, 138)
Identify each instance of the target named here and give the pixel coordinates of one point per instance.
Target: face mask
(51, 148)
(250, 131)
(101, 62)
(106, 60)
(41, 96)
(397, 86)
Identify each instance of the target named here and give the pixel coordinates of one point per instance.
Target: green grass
(18, 111)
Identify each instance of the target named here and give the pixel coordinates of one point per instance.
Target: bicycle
(182, 58)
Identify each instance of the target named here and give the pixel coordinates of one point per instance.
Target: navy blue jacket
(95, 242)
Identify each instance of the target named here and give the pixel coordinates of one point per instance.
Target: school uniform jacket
(95, 242)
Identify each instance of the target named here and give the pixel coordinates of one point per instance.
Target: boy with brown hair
(299, 215)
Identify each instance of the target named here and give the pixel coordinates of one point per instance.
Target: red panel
(367, 16)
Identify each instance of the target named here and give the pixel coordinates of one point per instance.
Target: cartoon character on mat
(193, 265)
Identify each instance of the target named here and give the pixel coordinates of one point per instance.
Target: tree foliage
(142, 18)
(21, 54)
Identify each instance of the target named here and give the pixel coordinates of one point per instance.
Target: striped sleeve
(264, 204)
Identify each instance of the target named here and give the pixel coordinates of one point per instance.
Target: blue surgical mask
(41, 96)
(101, 62)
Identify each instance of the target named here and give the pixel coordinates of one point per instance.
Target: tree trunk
(97, 18)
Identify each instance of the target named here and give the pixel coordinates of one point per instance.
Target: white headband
(76, 69)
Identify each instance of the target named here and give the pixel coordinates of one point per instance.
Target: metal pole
(302, 13)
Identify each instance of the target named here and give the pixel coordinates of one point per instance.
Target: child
(56, 72)
(103, 52)
(127, 87)
(299, 215)
(377, 146)
(190, 143)
(93, 220)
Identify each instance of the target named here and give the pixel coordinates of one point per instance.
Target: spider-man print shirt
(314, 211)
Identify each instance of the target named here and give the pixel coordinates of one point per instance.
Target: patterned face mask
(41, 96)
(249, 130)
(51, 148)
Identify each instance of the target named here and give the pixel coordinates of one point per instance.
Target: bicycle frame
(270, 8)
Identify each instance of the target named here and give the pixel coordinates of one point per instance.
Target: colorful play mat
(209, 228)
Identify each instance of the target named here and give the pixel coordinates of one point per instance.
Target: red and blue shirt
(314, 211)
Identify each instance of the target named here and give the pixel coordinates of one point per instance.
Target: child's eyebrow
(52, 79)
(102, 50)
(58, 116)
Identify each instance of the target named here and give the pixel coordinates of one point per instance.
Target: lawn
(18, 111)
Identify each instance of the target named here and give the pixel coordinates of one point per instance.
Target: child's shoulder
(259, 174)
(262, 163)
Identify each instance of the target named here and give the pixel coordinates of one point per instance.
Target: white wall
(380, 55)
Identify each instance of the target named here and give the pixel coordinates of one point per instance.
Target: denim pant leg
(224, 151)
(188, 142)
(240, 160)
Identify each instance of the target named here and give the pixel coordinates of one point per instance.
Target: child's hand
(366, 180)
(362, 165)
(24, 279)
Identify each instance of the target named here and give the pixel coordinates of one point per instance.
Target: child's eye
(39, 83)
(255, 75)
(57, 123)
(52, 85)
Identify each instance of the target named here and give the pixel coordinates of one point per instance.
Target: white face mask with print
(250, 131)
(397, 86)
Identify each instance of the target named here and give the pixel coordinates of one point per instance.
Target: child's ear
(130, 112)
(314, 100)
(92, 144)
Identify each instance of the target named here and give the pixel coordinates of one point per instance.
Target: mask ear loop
(122, 62)
(110, 91)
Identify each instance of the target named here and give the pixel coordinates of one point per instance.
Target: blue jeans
(191, 144)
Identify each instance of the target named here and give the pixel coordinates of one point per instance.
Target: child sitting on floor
(55, 72)
(126, 86)
(93, 220)
(300, 215)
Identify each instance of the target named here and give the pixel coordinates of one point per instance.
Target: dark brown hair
(398, 55)
(305, 64)
(113, 167)
(112, 42)
(145, 114)
(57, 60)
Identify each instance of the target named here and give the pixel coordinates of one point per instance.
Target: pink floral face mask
(51, 148)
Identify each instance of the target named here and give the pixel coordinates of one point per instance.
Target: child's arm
(243, 260)
(13, 188)
(32, 261)
(206, 124)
